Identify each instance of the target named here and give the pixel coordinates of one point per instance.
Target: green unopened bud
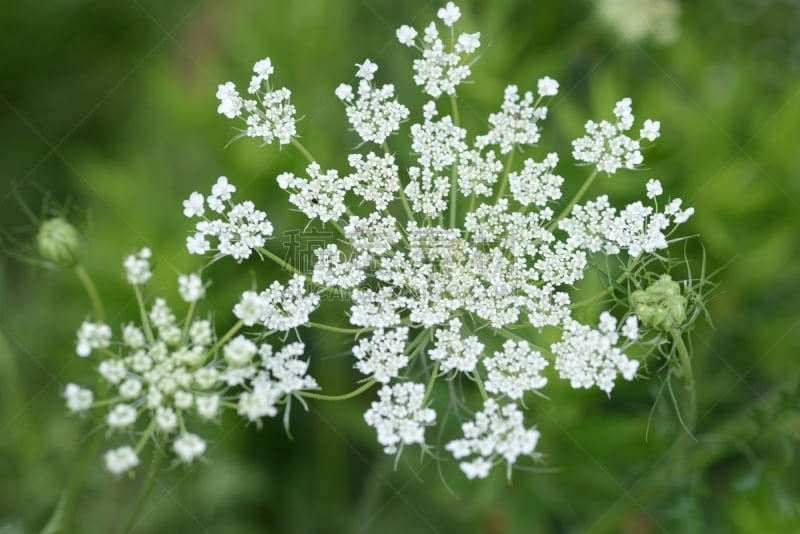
(59, 242)
(661, 305)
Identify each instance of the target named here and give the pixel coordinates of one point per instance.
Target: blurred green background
(109, 107)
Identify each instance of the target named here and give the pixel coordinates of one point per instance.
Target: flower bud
(59, 242)
(661, 305)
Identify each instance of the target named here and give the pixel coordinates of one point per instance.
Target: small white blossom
(92, 336)
(230, 103)
(121, 416)
(375, 114)
(654, 189)
(449, 14)
(78, 399)
(189, 447)
(121, 460)
(190, 287)
(547, 86)
(137, 267)
(631, 328)
(406, 35)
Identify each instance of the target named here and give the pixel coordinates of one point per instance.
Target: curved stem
(155, 467)
(224, 339)
(91, 291)
(303, 150)
(575, 200)
(344, 396)
(336, 329)
(280, 261)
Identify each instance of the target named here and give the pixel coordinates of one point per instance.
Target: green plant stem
(280, 261)
(688, 378)
(148, 332)
(431, 382)
(578, 196)
(91, 291)
(155, 467)
(355, 393)
(61, 519)
(224, 339)
(336, 329)
(303, 150)
(501, 191)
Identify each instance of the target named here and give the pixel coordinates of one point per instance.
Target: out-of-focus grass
(114, 106)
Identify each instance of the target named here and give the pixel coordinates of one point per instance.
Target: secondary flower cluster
(461, 258)
(165, 375)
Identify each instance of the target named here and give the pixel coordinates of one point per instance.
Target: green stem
(188, 321)
(148, 332)
(280, 261)
(91, 291)
(501, 191)
(336, 329)
(61, 520)
(479, 382)
(575, 200)
(299, 146)
(431, 382)
(688, 378)
(155, 467)
(224, 339)
(344, 396)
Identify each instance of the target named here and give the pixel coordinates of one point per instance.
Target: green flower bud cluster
(661, 305)
(59, 242)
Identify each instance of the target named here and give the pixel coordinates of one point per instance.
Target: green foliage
(115, 107)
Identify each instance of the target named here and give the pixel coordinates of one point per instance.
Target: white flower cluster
(440, 70)
(278, 307)
(270, 116)
(375, 113)
(164, 373)
(608, 146)
(586, 356)
(638, 229)
(400, 416)
(498, 432)
(274, 378)
(241, 229)
(481, 253)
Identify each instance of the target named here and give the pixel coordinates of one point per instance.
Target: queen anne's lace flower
(440, 252)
